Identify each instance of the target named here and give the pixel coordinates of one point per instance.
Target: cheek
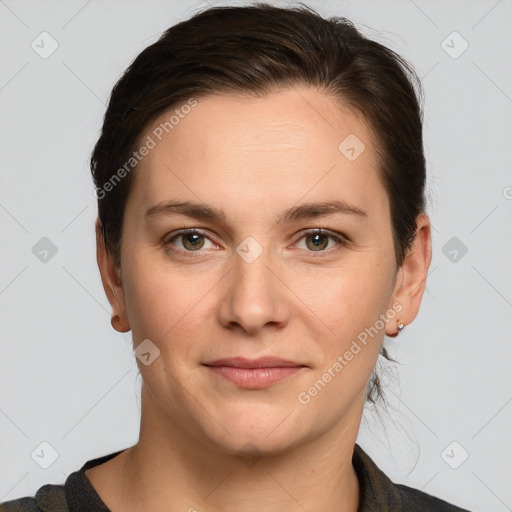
(349, 298)
(348, 306)
(164, 304)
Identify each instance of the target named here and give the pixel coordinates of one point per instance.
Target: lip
(254, 373)
(261, 362)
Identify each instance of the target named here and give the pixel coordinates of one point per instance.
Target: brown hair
(255, 50)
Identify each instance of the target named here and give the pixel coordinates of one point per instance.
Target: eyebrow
(203, 211)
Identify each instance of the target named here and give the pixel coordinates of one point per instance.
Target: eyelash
(341, 240)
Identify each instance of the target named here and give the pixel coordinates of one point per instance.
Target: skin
(254, 158)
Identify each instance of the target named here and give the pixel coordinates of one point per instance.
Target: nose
(255, 296)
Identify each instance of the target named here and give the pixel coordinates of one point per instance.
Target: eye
(190, 240)
(317, 240)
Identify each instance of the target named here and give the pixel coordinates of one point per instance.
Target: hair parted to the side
(256, 50)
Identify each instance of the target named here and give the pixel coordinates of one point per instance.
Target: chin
(255, 429)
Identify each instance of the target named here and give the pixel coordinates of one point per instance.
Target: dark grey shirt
(377, 493)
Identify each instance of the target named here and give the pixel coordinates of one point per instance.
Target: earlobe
(411, 281)
(118, 325)
(399, 328)
(112, 282)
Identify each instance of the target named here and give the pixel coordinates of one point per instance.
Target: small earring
(399, 327)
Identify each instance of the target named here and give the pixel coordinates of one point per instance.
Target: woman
(260, 180)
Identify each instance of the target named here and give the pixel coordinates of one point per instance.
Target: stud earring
(399, 327)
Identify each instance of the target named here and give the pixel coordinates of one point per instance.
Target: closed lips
(254, 373)
(266, 362)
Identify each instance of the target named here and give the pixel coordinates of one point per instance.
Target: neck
(169, 470)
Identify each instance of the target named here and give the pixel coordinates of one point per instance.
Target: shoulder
(378, 492)
(49, 498)
(20, 505)
(415, 500)
(76, 493)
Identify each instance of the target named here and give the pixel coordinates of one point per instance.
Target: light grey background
(68, 379)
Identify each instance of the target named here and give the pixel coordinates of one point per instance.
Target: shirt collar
(376, 491)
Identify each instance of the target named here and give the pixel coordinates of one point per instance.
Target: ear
(412, 276)
(112, 282)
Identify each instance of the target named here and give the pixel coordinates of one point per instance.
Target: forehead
(263, 152)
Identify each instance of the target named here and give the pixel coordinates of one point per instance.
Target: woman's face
(252, 176)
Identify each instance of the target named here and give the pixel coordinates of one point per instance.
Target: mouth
(254, 373)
